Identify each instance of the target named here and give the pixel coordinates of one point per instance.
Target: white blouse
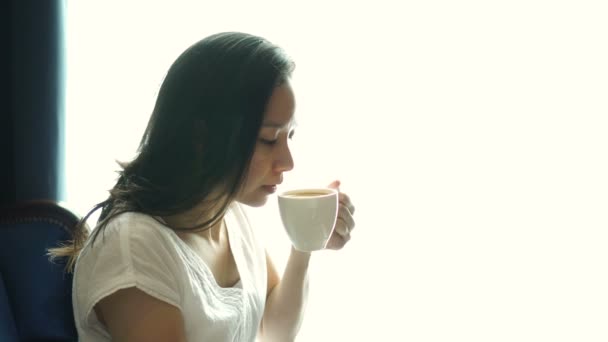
(135, 250)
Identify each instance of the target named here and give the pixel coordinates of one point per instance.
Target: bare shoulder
(133, 315)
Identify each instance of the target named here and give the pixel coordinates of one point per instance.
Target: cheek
(258, 168)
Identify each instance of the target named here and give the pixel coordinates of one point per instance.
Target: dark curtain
(32, 100)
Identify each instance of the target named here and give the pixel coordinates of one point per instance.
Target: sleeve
(128, 253)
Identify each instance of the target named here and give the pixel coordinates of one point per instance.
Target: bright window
(471, 135)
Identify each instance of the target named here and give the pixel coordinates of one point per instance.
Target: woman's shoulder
(135, 219)
(133, 249)
(130, 241)
(128, 229)
(135, 223)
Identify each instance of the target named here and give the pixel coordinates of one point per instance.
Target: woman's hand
(345, 222)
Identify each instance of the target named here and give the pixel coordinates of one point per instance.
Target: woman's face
(271, 156)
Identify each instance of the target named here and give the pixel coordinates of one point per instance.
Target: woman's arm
(132, 315)
(286, 298)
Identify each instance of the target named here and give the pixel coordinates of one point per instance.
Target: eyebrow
(270, 124)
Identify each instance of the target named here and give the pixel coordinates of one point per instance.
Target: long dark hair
(201, 135)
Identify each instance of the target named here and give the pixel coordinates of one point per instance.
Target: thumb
(334, 185)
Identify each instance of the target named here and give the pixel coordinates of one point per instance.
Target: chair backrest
(8, 331)
(39, 292)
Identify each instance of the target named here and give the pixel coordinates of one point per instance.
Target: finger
(346, 217)
(340, 227)
(342, 240)
(334, 185)
(337, 241)
(345, 200)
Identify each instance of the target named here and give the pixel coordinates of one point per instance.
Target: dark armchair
(35, 294)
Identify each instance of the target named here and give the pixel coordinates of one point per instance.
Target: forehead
(281, 107)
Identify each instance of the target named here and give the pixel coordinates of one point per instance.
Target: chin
(254, 201)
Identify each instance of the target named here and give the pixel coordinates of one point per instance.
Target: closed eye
(268, 142)
(273, 142)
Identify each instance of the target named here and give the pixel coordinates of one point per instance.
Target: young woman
(173, 257)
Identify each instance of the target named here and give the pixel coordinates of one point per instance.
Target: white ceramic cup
(309, 216)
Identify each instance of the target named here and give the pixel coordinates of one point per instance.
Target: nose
(284, 160)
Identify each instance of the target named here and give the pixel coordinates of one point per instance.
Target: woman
(173, 257)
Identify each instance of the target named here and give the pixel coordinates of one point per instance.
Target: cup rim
(330, 192)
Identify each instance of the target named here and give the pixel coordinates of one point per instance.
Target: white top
(136, 250)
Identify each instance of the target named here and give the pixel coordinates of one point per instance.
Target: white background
(471, 135)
